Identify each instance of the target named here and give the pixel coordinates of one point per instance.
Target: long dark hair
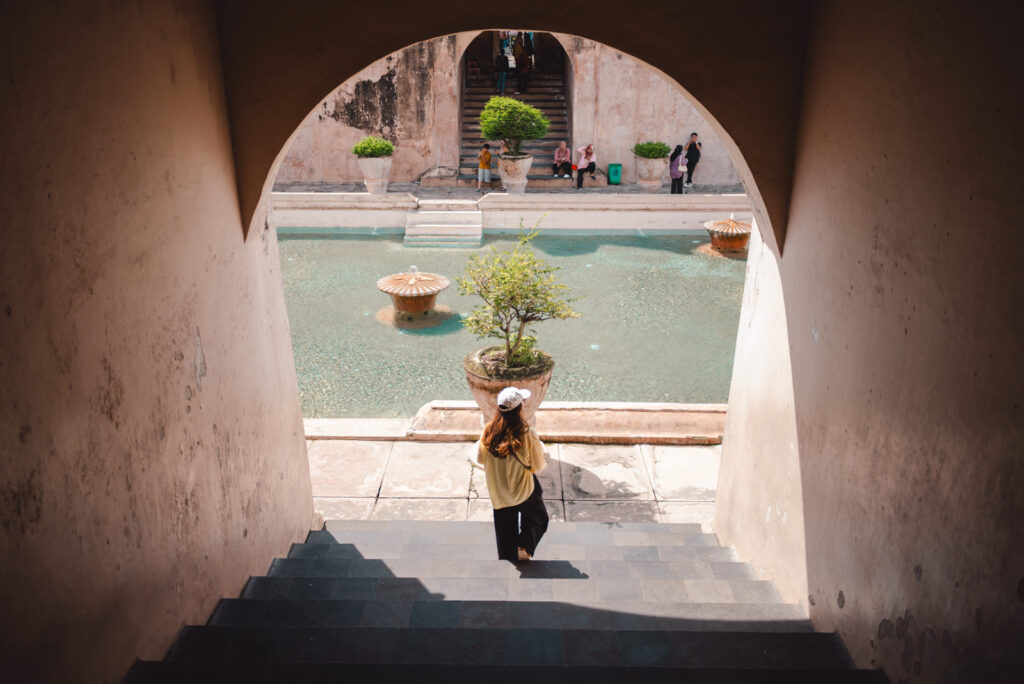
(676, 152)
(503, 435)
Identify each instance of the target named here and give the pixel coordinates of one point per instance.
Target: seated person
(562, 166)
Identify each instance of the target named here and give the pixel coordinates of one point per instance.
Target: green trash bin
(614, 174)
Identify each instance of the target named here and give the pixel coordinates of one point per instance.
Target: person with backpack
(512, 454)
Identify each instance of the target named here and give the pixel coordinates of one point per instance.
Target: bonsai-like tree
(371, 146)
(652, 150)
(518, 289)
(505, 118)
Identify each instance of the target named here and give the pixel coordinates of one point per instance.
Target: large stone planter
(514, 171)
(375, 173)
(485, 388)
(649, 172)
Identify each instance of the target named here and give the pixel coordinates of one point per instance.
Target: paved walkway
(471, 193)
(396, 480)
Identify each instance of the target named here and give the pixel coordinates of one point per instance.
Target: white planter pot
(649, 172)
(514, 171)
(375, 173)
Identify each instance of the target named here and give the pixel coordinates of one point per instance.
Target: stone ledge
(737, 203)
(580, 422)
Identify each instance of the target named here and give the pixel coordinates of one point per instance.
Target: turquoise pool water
(658, 323)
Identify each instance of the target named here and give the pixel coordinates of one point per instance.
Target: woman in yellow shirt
(511, 453)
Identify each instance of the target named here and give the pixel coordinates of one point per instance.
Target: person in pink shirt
(562, 164)
(586, 164)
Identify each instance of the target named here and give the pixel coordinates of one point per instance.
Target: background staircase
(546, 92)
(394, 601)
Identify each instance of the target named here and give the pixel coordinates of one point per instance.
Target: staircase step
(148, 672)
(509, 646)
(454, 230)
(692, 536)
(448, 218)
(443, 205)
(609, 615)
(298, 566)
(533, 89)
(674, 591)
(553, 526)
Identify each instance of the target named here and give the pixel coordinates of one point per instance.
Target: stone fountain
(728, 235)
(414, 294)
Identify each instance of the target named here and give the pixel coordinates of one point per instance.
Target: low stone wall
(611, 213)
(326, 212)
(340, 209)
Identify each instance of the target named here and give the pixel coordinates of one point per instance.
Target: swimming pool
(658, 323)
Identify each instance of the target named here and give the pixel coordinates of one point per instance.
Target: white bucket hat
(511, 397)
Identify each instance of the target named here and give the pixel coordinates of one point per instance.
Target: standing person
(692, 157)
(586, 164)
(483, 167)
(505, 148)
(562, 164)
(518, 53)
(676, 169)
(512, 454)
(500, 72)
(524, 65)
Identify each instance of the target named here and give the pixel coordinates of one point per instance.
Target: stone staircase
(400, 601)
(546, 92)
(444, 223)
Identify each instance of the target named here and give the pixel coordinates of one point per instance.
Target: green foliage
(652, 150)
(518, 289)
(505, 118)
(373, 147)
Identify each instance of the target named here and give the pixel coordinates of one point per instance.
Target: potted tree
(505, 118)
(651, 161)
(374, 157)
(518, 290)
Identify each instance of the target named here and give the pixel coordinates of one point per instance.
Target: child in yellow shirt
(483, 170)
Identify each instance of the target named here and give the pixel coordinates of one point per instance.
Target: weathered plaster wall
(619, 101)
(410, 97)
(759, 473)
(152, 454)
(906, 339)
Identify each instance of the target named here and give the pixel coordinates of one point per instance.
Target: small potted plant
(374, 156)
(518, 290)
(651, 161)
(505, 118)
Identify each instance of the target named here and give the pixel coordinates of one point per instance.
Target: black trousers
(563, 169)
(591, 167)
(524, 81)
(690, 166)
(677, 186)
(521, 525)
